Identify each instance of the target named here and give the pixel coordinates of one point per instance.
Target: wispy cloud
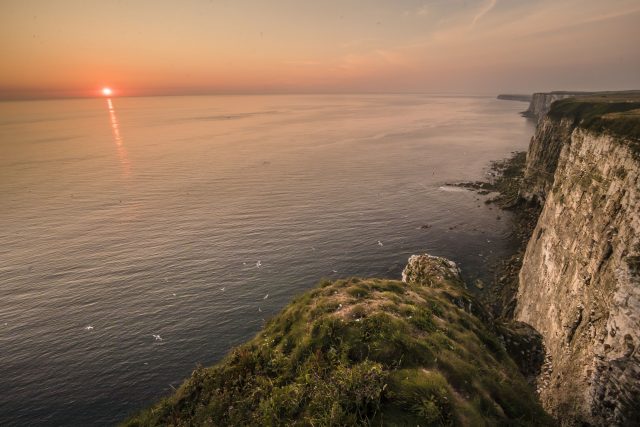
(420, 11)
(486, 9)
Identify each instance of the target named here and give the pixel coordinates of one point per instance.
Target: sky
(152, 47)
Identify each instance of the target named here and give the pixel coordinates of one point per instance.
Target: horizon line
(34, 97)
(257, 93)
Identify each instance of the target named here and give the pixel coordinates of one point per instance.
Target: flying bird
(157, 337)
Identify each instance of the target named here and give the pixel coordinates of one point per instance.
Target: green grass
(361, 352)
(615, 113)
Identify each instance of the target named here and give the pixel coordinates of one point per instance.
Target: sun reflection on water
(117, 139)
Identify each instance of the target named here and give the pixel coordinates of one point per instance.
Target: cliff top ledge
(613, 112)
(541, 102)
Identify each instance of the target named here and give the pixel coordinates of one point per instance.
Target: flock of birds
(157, 337)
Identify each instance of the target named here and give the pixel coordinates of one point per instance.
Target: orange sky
(73, 48)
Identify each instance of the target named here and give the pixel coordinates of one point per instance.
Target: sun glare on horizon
(106, 91)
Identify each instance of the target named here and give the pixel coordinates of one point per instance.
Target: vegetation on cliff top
(362, 352)
(617, 113)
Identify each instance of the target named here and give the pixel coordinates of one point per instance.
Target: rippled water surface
(197, 218)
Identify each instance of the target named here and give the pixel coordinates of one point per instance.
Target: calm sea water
(197, 218)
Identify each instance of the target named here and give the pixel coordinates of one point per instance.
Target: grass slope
(617, 113)
(362, 352)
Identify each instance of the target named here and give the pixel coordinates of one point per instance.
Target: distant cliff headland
(423, 351)
(540, 103)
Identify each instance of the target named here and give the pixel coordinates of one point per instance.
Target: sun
(106, 91)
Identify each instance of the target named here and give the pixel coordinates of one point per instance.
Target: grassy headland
(364, 352)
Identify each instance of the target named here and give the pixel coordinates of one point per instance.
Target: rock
(422, 269)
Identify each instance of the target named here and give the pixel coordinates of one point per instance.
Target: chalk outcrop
(428, 269)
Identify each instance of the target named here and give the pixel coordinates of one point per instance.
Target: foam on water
(452, 189)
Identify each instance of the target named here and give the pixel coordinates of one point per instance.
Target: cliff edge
(579, 285)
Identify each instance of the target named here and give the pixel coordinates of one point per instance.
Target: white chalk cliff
(580, 280)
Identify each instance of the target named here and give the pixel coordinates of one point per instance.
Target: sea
(140, 237)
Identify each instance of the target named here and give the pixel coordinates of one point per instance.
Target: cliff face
(542, 157)
(580, 279)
